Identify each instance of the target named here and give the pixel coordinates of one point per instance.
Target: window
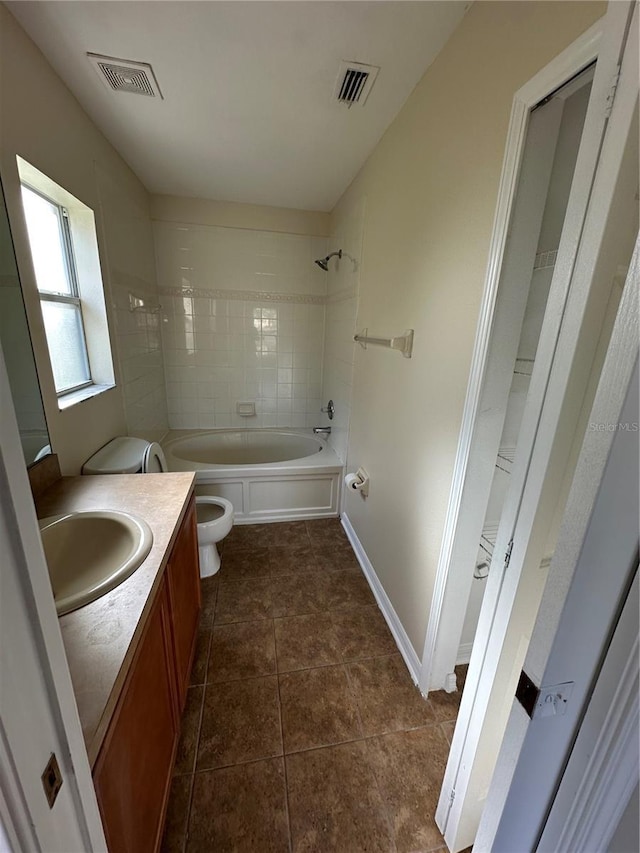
(62, 234)
(57, 280)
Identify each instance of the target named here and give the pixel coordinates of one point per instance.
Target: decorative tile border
(243, 295)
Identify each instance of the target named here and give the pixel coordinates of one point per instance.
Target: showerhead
(323, 263)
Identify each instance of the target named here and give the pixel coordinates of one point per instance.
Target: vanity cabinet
(132, 774)
(183, 579)
(133, 771)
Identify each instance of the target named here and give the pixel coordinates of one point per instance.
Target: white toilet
(215, 520)
(128, 455)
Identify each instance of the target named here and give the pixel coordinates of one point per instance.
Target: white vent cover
(354, 82)
(124, 75)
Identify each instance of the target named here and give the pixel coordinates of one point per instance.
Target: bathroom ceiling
(248, 113)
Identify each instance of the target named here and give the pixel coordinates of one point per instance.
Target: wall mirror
(18, 351)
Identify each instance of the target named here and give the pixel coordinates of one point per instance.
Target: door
(38, 713)
(572, 344)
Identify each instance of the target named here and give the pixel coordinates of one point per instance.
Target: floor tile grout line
(199, 731)
(385, 806)
(185, 836)
(354, 697)
(345, 609)
(284, 763)
(277, 672)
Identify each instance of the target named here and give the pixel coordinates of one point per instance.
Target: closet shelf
(524, 366)
(504, 460)
(488, 539)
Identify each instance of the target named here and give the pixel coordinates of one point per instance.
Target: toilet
(215, 519)
(129, 455)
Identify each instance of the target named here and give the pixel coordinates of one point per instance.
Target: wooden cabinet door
(183, 575)
(132, 775)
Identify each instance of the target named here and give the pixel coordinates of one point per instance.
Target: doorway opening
(564, 117)
(568, 237)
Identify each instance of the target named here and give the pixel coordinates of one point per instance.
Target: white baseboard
(395, 625)
(464, 653)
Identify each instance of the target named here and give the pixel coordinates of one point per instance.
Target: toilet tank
(122, 455)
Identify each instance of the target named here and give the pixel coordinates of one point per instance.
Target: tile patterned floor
(303, 730)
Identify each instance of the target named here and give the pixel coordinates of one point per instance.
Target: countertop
(101, 638)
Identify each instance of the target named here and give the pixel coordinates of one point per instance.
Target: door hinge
(611, 94)
(452, 797)
(507, 556)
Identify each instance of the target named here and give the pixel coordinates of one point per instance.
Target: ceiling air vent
(354, 83)
(124, 75)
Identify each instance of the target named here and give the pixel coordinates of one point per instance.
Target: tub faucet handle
(330, 410)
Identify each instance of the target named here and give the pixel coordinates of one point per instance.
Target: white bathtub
(268, 475)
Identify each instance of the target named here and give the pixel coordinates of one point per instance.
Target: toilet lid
(154, 461)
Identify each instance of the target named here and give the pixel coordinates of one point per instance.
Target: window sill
(66, 401)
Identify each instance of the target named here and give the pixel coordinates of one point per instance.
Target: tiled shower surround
(242, 321)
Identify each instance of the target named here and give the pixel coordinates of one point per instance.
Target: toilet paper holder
(358, 482)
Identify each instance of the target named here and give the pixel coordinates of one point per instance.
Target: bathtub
(268, 475)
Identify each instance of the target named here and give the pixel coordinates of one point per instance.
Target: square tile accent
(346, 590)
(335, 557)
(242, 650)
(240, 722)
(327, 531)
(296, 595)
(245, 563)
(334, 802)
(387, 699)
(290, 534)
(241, 809)
(291, 560)
(306, 641)
(317, 708)
(409, 767)
(245, 536)
(362, 633)
(243, 601)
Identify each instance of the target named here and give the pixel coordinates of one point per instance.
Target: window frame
(73, 297)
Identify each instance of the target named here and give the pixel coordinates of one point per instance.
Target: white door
(552, 427)
(38, 714)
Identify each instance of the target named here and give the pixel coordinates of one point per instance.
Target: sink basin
(90, 553)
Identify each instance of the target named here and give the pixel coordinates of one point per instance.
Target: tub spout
(326, 431)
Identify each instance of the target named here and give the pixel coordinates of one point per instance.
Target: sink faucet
(325, 431)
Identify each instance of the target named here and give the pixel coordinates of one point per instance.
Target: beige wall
(44, 124)
(431, 188)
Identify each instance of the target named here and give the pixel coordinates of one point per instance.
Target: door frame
(480, 432)
(579, 606)
(26, 594)
(547, 433)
